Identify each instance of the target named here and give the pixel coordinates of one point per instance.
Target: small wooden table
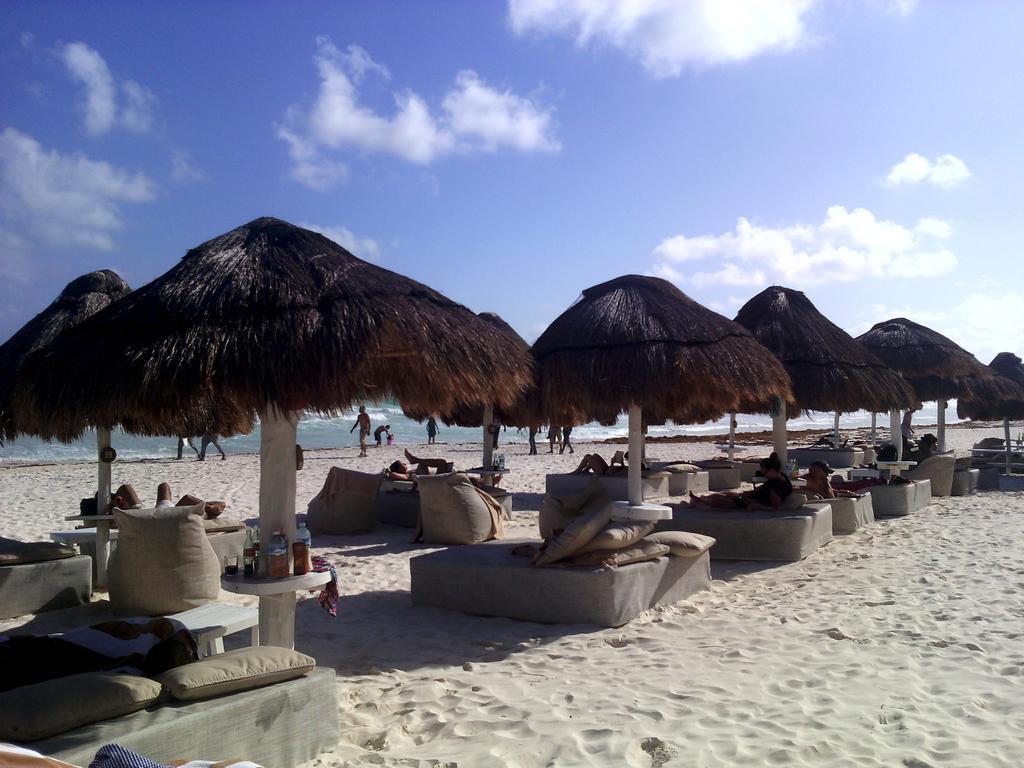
(211, 622)
(491, 476)
(276, 622)
(103, 523)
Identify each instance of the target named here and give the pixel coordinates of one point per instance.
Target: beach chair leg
(216, 646)
(255, 635)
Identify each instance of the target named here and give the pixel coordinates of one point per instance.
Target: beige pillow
(24, 552)
(794, 501)
(682, 543)
(638, 553)
(558, 510)
(595, 515)
(681, 468)
(163, 563)
(235, 671)
(618, 536)
(454, 511)
(36, 711)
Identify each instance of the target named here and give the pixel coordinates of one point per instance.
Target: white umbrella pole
(488, 437)
(835, 431)
(874, 429)
(896, 432)
(779, 430)
(941, 425)
(277, 513)
(1009, 451)
(732, 436)
(636, 451)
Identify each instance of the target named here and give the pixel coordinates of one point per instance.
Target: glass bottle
(300, 551)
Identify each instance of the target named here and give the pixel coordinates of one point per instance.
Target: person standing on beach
(533, 440)
(553, 434)
(182, 442)
(379, 432)
(566, 431)
(363, 422)
(210, 439)
(431, 431)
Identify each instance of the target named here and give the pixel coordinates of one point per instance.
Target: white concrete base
(651, 513)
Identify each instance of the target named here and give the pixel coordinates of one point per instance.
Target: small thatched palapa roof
(829, 370)
(642, 340)
(81, 298)
(525, 412)
(936, 367)
(270, 314)
(1001, 397)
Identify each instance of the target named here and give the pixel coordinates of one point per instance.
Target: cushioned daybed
(848, 512)
(656, 484)
(722, 475)
(842, 457)
(756, 535)
(41, 576)
(899, 499)
(487, 580)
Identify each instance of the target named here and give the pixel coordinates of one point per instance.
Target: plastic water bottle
(277, 555)
(300, 551)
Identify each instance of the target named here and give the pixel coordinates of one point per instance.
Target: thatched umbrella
(1001, 397)
(525, 412)
(271, 319)
(935, 366)
(830, 371)
(640, 345)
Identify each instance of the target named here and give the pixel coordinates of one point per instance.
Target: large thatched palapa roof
(935, 366)
(81, 298)
(1001, 397)
(524, 412)
(640, 339)
(272, 314)
(829, 370)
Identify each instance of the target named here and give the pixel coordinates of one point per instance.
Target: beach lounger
(900, 499)
(487, 580)
(722, 475)
(41, 576)
(835, 457)
(849, 513)
(655, 484)
(756, 534)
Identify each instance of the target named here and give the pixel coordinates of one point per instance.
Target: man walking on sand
(363, 422)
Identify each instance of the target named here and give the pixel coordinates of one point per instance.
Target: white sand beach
(902, 644)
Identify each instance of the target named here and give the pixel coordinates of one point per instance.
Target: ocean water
(321, 432)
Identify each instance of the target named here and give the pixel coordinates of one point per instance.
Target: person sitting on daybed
(768, 495)
(127, 498)
(928, 446)
(594, 462)
(818, 485)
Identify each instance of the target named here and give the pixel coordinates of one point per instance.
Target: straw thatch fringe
(936, 367)
(81, 298)
(830, 371)
(270, 313)
(640, 339)
(1001, 397)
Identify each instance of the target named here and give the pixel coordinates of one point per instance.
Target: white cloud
(365, 248)
(63, 199)
(845, 246)
(985, 320)
(947, 171)
(183, 169)
(474, 118)
(667, 36)
(100, 108)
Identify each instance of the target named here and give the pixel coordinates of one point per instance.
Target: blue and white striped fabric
(116, 756)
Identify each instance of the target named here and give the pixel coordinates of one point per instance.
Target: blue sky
(512, 154)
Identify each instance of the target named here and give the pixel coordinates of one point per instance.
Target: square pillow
(595, 515)
(682, 543)
(55, 706)
(794, 501)
(24, 552)
(638, 553)
(454, 511)
(618, 536)
(163, 563)
(235, 671)
(558, 510)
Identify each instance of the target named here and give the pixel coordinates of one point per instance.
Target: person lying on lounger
(399, 470)
(818, 485)
(768, 495)
(127, 498)
(594, 462)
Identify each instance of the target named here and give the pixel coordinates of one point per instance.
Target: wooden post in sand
(635, 479)
(277, 513)
(896, 432)
(835, 432)
(732, 436)
(941, 424)
(779, 430)
(488, 437)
